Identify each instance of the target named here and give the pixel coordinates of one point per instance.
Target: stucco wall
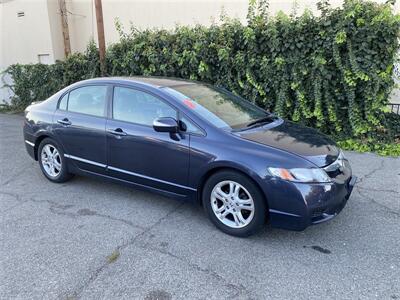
(24, 38)
(57, 41)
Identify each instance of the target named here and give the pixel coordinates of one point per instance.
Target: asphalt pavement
(93, 240)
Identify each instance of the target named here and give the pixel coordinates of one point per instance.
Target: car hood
(297, 139)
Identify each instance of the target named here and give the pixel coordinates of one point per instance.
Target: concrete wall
(24, 38)
(57, 41)
(1, 36)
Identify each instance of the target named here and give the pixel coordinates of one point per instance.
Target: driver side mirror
(166, 124)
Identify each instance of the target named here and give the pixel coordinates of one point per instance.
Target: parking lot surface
(94, 240)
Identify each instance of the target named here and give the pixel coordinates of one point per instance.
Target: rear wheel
(234, 203)
(52, 161)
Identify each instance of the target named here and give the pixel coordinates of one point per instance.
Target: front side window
(89, 100)
(138, 107)
(217, 106)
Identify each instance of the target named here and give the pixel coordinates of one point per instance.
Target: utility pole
(100, 35)
(65, 30)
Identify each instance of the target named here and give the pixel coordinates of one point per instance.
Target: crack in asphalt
(59, 209)
(17, 199)
(13, 177)
(376, 190)
(78, 292)
(14, 195)
(239, 288)
(389, 210)
(372, 172)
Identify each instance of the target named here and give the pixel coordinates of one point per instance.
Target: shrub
(333, 71)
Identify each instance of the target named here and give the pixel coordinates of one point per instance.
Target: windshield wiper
(263, 120)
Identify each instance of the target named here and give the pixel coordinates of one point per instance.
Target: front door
(79, 125)
(136, 152)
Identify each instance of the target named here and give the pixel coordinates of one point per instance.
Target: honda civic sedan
(191, 141)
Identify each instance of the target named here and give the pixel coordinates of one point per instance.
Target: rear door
(136, 152)
(79, 124)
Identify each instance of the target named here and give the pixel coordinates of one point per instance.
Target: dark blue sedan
(193, 141)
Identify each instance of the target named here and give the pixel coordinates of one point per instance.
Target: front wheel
(234, 203)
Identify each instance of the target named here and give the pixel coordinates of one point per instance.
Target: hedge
(333, 71)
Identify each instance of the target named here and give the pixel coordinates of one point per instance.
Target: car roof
(147, 80)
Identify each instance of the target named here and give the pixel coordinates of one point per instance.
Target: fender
(41, 135)
(214, 166)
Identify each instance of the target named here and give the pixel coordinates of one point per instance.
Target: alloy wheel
(232, 204)
(51, 160)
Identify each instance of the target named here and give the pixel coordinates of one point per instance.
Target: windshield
(221, 108)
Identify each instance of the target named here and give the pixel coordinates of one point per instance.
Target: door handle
(117, 132)
(64, 121)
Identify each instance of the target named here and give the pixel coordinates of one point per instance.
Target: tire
(220, 198)
(52, 161)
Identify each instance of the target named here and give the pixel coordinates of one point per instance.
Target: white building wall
(1, 37)
(3, 92)
(24, 38)
(55, 24)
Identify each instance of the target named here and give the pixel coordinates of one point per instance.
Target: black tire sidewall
(259, 203)
(63, 175)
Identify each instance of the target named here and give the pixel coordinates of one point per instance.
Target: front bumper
(325, 212)
(295, 206)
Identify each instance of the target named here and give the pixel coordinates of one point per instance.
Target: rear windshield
(217, 106)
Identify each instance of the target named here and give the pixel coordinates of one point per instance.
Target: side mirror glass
(165, 124)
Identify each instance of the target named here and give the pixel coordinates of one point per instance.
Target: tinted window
(217, 106)
(88, 100)
(139, 107)
(63, 102)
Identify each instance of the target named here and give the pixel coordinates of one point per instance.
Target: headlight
(300, 174)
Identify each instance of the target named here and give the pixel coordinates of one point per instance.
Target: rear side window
(138, 107)
(89, 100)
(63, 102)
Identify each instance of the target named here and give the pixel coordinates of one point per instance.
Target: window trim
(105, 109)
(60, 99)
(111, 107)
(202, 131)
